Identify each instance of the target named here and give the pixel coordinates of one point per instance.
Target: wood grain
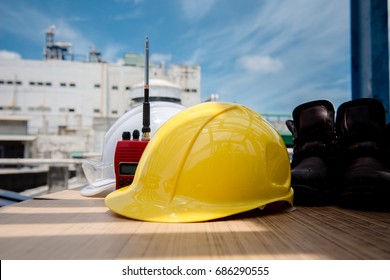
(66, 225)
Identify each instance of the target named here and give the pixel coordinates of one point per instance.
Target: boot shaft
(313, 129)
(361, 118)
(314, 119)
(361, 127)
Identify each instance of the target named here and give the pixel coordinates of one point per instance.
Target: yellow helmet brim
(136, 205)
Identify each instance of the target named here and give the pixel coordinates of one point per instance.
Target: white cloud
(78, 18)
(260, 64)
(27, 24)
(32, 24)
(113, 51)
(7, 55)
(66, 32)
(198, 57)
(120, 61)
(134, 14)
(303, 43)
(135, 2)
(196, 9)
(295, 40)
(161, 57)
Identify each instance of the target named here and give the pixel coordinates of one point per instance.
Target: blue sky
(270, 55)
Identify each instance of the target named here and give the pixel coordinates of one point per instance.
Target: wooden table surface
(66, 225)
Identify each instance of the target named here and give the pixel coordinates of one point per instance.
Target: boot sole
(308, 196)
(366, 198)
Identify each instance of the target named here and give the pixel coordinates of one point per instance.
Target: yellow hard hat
(208, 161)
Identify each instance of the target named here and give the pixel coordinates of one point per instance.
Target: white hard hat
(100, 174)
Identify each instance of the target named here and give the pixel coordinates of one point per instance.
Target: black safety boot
(364, 153)
(313, 131)
(387, 138)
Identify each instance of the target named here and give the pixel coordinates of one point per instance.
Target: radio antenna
(146, 104)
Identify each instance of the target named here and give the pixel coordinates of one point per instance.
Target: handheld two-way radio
(128, 151)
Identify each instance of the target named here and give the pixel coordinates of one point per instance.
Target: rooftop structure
(75, 102)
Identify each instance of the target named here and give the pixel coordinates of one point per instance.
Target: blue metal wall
(370, 51)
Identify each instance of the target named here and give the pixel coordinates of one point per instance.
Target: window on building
(13, 108)
(114, 87)
(71, 110)
(96, 110)
(48, 84)
(96, 86)
(72, 85)
(63, 84)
